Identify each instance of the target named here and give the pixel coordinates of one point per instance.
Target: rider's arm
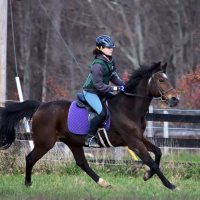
(97, 78)
(116, 79)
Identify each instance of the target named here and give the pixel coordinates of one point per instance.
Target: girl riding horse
(127, 115)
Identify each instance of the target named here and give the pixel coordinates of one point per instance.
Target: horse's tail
(10, 115)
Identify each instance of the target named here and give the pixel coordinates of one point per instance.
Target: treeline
(55, 39)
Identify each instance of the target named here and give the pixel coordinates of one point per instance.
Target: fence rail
(158, 141)
(173, 118)
(162, 135)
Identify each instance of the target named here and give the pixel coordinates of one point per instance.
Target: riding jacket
(101, 73)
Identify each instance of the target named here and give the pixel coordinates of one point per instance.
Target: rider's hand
(120, 88)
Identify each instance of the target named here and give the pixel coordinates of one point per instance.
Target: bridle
(163, 93)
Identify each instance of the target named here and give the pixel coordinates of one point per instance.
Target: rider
(96, 87)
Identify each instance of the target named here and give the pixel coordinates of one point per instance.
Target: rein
(135, 95)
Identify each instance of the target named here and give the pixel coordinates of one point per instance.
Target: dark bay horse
(127, 111)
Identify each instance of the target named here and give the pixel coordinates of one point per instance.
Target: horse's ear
(156, 66)
(164, 67)
(159, 63)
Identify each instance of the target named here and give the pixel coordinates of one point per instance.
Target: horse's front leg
(83, 164)
(139, 148)
(156, 150)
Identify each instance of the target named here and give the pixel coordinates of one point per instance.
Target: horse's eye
(161, 80)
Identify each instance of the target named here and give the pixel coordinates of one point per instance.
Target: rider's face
(107, 51)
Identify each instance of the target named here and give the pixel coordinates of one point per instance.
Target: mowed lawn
(46, 187)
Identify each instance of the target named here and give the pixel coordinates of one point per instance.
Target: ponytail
(97, 52)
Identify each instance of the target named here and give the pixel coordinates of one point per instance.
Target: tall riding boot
(91, 139)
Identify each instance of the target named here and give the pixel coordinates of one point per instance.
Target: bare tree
(56, 40)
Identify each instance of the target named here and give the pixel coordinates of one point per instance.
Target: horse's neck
(136, 104)
(132, 105)
(142, 100)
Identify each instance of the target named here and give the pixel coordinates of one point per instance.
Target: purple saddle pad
(78, 122)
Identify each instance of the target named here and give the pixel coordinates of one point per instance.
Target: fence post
(118, 153)
(150, 124)
(166, 132)
(166, 127)
(25, 121)
(3, 49)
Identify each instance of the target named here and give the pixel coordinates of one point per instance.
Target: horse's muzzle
(173, 101)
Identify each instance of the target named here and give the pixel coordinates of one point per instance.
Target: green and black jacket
(102, 72)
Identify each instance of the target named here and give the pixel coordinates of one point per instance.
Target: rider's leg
(94, 101)
(91, 139)
(95, 118)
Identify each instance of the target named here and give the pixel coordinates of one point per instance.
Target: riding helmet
(105, 41)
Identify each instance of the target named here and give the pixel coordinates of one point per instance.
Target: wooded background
(54, 41)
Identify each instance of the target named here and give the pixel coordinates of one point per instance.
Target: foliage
(125, 76)
(138, 28)
(189, 87)
(58, 91)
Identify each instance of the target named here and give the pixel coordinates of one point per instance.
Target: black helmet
(105, 41)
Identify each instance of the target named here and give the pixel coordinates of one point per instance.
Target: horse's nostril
(175, 99)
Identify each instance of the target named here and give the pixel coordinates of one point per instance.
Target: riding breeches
(95, 102)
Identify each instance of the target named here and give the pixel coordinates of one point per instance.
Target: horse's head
(160, 86)
(152, 82)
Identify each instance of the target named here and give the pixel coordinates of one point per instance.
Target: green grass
(193, 157)
(82, 187)
(59, 182)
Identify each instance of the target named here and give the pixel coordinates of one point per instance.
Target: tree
(55, 38)
(189, 87)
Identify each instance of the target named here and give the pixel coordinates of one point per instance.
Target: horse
(127, 123)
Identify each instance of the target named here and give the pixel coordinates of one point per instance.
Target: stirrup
(93, 143)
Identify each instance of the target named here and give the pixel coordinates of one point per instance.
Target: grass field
(81, 187)
(69, 182)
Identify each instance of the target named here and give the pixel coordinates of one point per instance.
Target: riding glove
(120, 88)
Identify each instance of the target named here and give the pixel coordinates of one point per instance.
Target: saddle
(79, 116)
(82, 103)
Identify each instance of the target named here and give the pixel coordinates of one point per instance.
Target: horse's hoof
(104, 183)
(147, 175)
(172, 187)
(28, 184)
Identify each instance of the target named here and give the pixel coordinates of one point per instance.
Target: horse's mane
(144, 71)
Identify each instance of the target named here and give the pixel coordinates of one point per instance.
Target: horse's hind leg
(37, 153)
(83, 164)
(144, 155)
(156, 150)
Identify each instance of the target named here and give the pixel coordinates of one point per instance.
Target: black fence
(186, 137)
(173, 118)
